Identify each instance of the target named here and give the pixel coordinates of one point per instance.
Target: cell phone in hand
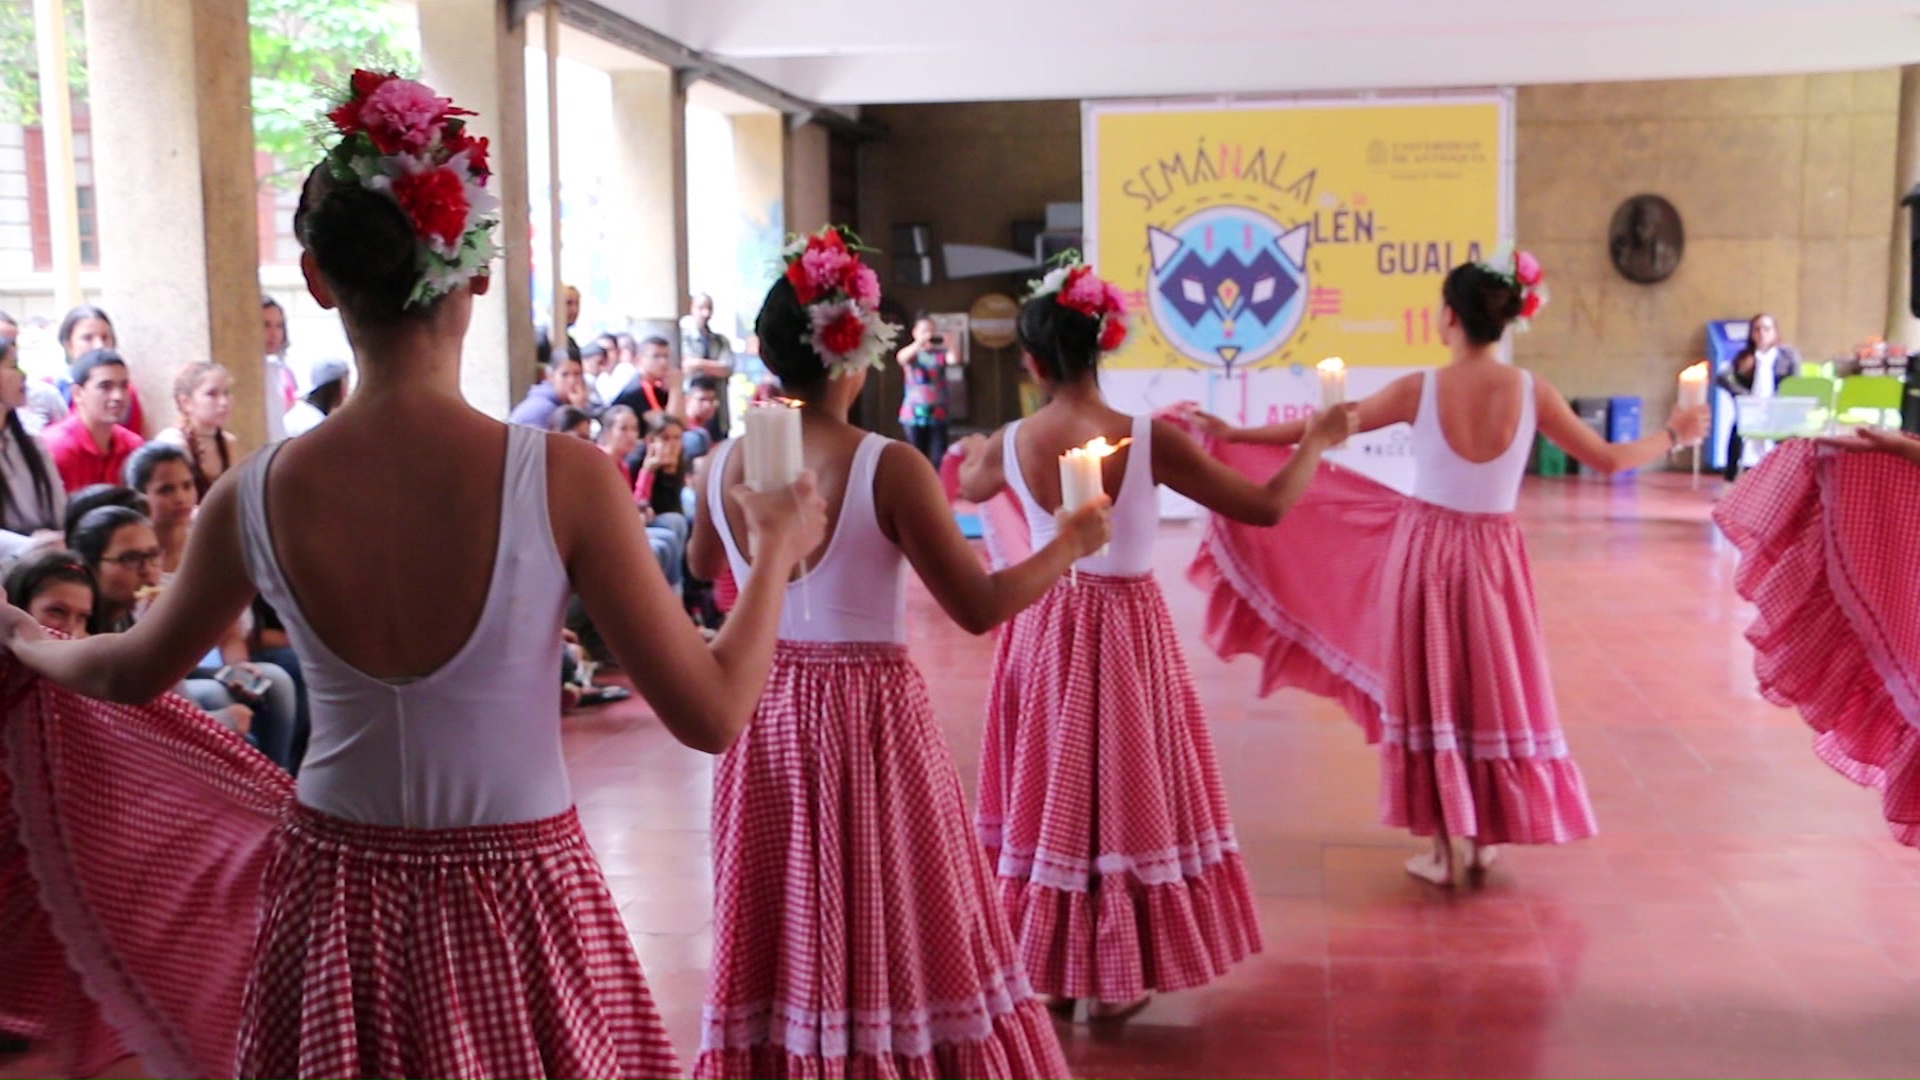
(938, 339)
(251, 683)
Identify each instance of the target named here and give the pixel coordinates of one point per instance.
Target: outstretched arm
(1181, 464)
(1395, 403)
(1558, 423)
(983, 471)
(914, 514)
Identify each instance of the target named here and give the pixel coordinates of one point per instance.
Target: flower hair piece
(399, 138)
(842, 296)
(1522, 271)
(1074, 285)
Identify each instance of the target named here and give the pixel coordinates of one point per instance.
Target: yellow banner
(1273, 236)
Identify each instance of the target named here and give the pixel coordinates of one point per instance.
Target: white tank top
(1136, 511)
(1444, 478)
(853, 593)
(478, 741)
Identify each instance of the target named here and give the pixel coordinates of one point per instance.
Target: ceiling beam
(690, 64)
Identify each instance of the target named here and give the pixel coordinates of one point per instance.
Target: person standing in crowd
(562, 387)
(203, 402)
(92, 445)
(620, 368)
(1761, 366)
(33, 497)
(706, 351)
(278, 390)
(326, 390)
(923, 411)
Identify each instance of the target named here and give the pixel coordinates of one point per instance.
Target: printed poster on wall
(1255, 239)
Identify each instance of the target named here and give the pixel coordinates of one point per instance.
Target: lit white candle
(1693, 386)
(774, 461)
(1333, 383)
(1080, 476)
(774, 456)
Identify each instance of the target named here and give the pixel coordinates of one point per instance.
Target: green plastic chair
(1816, 371)
(1877, 395)
(1824, 390)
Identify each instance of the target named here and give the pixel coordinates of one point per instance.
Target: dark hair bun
(1065, 343)
(1484, 302)
(363, 242)
(784, 329)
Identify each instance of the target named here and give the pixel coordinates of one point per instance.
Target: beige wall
(1785, 184)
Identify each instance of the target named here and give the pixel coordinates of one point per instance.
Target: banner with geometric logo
(1255, 239)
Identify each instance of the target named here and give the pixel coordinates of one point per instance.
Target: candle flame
(1332, 363)
(774, 403)
(1696, 373)
(1098, 447)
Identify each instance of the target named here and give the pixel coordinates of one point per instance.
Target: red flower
(1113, 333)
(347, 117)
(844, 334)
(1530, 306)
(802, 283)
(456, 139)
(436, 203)
(862, 284)
(365, 82)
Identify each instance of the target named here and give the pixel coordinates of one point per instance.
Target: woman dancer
(1459, 696)
(1831, 574)
(203, 400)
(857, 932)
(1099, 798)
(426, 902)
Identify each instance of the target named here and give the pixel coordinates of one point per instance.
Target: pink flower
(404, 116)
(1084, 292)
(863, 285)
(1116, 300)
(1526, 268)
(826, 268)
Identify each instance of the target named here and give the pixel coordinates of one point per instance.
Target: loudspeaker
(1026, 237)
(913, 270)
(1912, 203)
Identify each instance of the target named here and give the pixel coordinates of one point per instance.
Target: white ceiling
(852, 52)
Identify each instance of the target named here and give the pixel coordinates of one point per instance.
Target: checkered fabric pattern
(487, 951)
(1100, 803)
(857, 932)
(146, 830)
(1830, 563)
(1470, 737)
(1303, 596)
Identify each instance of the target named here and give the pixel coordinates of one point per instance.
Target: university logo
(1227, 286)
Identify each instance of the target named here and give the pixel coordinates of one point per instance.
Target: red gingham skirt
(221, 927)
(145, 830)
(1470, 738)
(1830, 561)
(856, 928)
(489, 951)
(1100, 803)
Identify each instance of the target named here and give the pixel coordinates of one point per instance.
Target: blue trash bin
(1623, 421)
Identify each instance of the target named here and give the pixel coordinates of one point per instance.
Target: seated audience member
(326, 391)
(121, 549)
(203, 401)
(703, 409)
(562, 386)
(92, 446)
(655, 386)
(32, 495)
(228, 675)
(621, 367)
(658, 469)
(82, 330)
(620, 438)
(567, 420)
(56, 588)
(95, 496)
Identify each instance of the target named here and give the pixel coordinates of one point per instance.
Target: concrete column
(759, 162)
(809, 197)
(469, 53)
(647, 193)
(174, 175)
(1902, 327)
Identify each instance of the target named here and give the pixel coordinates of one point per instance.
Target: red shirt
(79, 458)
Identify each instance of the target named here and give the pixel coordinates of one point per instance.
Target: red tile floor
(1743, 914)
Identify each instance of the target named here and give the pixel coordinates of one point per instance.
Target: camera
(939, 339)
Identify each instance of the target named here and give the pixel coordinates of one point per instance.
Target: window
(38, 214)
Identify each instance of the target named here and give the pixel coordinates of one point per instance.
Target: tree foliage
(302, 50)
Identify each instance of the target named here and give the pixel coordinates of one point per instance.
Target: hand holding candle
(1693, 386)
(775, 458)
(1080, 474)
(1333, 386)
